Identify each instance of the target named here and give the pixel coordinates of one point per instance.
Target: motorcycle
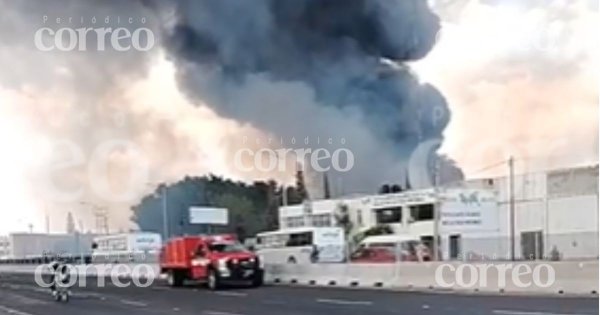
(61, 289)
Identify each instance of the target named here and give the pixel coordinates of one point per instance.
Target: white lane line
(344, 302)
(219, 313)
(517, 312)
(237, 294)
(12, 311)
(134, 303)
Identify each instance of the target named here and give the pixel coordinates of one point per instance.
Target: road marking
(134, 303)
(219, 313)
(516, 312)
(238, 294)
(344, 302)
(12, 311)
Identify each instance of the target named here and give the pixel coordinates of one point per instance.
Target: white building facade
(464, 213)
(556, 212)
(555, 217)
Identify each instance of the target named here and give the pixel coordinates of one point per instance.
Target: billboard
(468, 210)
(204, 215)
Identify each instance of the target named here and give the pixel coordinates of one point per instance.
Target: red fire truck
(214, 259)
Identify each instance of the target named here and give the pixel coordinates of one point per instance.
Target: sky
(521, 80)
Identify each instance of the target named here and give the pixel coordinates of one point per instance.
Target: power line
(500, 163)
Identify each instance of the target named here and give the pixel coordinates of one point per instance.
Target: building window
(300, 239)
(421, 212)
(273, 241)
(388, 215)
(292, 222)
(321, 220)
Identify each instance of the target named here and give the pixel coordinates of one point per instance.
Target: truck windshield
(227, 247)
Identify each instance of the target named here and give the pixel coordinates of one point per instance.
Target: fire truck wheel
(257, 281)
(174, 278)
(213, 280)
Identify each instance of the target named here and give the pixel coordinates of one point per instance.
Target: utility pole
(436, 211)
(284, 196)
(511, 189)
(164, 210)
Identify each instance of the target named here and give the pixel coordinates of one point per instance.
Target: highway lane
(19, 295)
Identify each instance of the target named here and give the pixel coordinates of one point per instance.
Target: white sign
(147, 242)
(202, 215)
(469, 210)
(400, 199)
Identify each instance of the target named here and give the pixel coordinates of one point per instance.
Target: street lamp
(164, 210)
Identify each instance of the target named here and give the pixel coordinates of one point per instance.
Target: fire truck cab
(213, 259)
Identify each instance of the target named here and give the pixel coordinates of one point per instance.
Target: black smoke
(316, 68)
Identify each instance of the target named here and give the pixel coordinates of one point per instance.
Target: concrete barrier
(146, 271)
(569, 277)
(537, 277)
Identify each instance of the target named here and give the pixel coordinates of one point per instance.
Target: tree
(253, 207)
(243, 218)
(301, 186)
(384, 189)
(342, 218)
(70, 223)
(326, 190)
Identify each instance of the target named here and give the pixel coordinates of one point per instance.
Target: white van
(302, 245)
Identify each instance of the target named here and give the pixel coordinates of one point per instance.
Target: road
(19, 295)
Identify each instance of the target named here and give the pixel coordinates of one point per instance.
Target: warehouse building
(30, 245)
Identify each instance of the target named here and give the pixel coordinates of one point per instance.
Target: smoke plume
(308, 74)
(317, 69)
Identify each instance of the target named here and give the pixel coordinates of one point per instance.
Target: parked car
(390, 249)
